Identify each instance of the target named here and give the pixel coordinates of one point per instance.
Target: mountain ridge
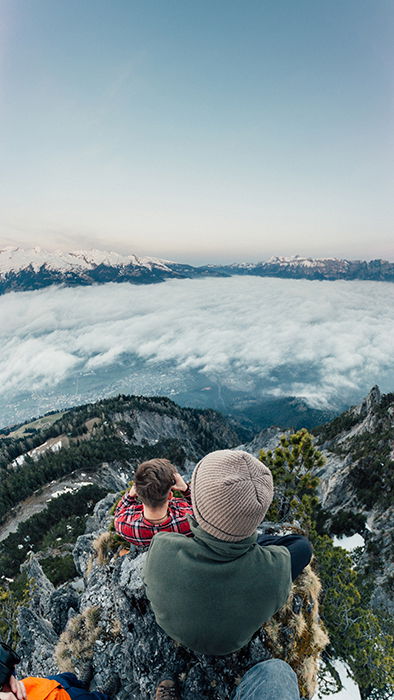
(31, 269)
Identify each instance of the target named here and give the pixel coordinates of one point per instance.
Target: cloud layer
(325, 341)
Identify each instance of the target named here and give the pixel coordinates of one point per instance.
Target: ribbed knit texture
(231, 493)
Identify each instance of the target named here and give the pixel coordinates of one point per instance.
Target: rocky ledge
(101, 627)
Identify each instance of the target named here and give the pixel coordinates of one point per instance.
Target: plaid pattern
(130, 523)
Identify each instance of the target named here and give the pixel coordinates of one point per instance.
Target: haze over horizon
(207, 132)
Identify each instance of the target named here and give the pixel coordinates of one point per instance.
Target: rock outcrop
(108, 630)
(358, 478)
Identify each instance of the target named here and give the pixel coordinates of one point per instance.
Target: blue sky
(199, 131)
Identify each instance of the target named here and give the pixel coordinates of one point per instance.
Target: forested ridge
(110, 438)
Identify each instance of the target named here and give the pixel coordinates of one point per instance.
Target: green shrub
(59, 569)
(346, 522)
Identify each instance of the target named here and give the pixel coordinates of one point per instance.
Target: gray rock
(63, 603)
(83, 552)
(41, 589)
(36, 646)
(101, 516)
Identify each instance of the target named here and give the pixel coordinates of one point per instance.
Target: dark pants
(299, 547)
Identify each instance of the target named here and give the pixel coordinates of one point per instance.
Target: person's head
(231, 493)
(153, 482)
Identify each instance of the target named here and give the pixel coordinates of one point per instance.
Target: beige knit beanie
(231, 493)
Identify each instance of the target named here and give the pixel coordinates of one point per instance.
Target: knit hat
(231, 493)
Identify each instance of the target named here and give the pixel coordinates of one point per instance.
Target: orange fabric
(44, 689)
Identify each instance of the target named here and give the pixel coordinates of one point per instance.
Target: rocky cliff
(358, 479)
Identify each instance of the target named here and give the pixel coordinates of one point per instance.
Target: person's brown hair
(153, 480)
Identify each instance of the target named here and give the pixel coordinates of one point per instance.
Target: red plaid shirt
(132, 526)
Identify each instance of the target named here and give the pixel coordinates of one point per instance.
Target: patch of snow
(349, 543)
(68, 489)
(243, 266)
(299, 260)
(57, 446)
(349, 691)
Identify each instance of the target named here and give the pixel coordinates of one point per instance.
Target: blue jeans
(269, 680)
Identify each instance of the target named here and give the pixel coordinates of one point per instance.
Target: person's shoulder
(164, 545)
(273, 553)
(167, 538)
(179, 505)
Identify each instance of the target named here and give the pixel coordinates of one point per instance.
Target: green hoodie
(212, 596)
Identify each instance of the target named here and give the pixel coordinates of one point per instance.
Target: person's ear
(170, 495)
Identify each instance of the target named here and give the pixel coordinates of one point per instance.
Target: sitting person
(222, 584)
(149, 507)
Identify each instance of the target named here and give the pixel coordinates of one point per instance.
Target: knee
(276, 671)
(305, 549)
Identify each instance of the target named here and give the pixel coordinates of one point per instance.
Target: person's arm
(127, 516)
(181, 485)
(128, 501)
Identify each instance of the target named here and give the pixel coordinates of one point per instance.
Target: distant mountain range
(26, 270)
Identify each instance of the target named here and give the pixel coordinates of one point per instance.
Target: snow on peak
(299, 260)
(14, 259)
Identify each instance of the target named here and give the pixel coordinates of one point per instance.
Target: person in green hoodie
(211, 592)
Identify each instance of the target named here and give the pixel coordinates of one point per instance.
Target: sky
(325, 342)
(208, 131)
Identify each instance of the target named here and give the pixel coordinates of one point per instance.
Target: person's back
(214, 595)
(213, 591)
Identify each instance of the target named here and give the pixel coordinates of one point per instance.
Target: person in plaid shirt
(149, 507)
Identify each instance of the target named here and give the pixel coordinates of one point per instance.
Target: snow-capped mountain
(316, 268)
(23, 270)
(300, 261)
(16, 259)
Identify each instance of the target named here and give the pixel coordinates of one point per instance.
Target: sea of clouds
(327, 342)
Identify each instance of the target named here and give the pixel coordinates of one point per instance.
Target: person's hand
(13, 690)
(18, 688)
(180, 484)
(7, 695)
(132, 491)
